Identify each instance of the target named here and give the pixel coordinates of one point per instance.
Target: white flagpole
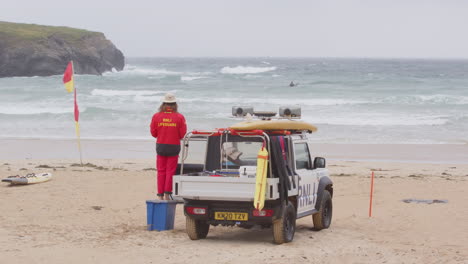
(77, 125)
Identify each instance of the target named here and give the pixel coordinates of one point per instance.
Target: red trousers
(166, 167)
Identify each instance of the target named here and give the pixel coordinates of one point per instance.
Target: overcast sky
(328, 28)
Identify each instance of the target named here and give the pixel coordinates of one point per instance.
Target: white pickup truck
(221, 190)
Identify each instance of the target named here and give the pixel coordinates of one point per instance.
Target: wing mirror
(319, 162)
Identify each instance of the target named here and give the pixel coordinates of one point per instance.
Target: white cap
(169, 98)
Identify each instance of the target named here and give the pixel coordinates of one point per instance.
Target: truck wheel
(322, 219)
(285, 227)
(196, 229)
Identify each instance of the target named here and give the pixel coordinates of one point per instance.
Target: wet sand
(145, 149)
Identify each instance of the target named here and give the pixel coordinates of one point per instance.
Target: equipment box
(160, 214)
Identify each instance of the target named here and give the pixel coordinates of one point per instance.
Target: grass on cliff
(32, 32)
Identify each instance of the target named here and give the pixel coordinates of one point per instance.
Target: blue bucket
(160, 214)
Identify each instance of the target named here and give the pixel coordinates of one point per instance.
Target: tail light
(266, 212)
(195, 210)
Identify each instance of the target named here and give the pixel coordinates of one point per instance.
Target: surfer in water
(169, 127)
(292, 84)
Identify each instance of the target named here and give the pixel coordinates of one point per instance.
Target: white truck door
(308, 180)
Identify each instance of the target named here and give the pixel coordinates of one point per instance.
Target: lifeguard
(169, 127)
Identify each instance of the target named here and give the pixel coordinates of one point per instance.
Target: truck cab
(222, 190)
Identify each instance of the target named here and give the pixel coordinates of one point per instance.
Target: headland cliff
(36, 50)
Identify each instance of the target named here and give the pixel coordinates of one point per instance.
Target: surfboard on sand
(30, 178)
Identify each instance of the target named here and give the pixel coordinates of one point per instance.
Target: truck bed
(222, 188)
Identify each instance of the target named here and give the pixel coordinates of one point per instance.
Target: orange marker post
(371, 193)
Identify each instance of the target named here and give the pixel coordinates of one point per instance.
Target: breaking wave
(436, 99)
(246, 70)
(191, 78)
(35, 110)
(255, 101)
(380, 120)
(101, 92)
(133, 70)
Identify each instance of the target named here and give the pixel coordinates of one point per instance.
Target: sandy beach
(97, 213)
(382, 86)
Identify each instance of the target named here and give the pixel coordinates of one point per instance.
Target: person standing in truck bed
(169, 127)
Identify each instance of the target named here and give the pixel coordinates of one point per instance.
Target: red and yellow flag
(70, 86)
(77, 112)
(68, 77)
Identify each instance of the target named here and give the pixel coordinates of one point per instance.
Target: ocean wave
(251, 76)
(140, 98)
(101, 92)
(205, 73)
(444, 99)
(361, 119)
(436, 99)
(35, 110)
(245, 70)
(379, 120)
(191, 78)
(257, 101)
(134, 70)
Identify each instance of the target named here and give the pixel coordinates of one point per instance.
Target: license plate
(233, 216)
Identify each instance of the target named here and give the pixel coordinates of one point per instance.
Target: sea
(381, 101)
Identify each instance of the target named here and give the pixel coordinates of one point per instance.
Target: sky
(260, 28)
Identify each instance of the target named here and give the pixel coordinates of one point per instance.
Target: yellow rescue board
(261, 179)
(274, 125)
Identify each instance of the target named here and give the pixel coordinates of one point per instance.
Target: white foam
(273, 101)
(35, 110)
(101, 92)
(205, 73)
(251, 76)
(378, 119)
(246, 70)
(267, 104)
(436, 99)
(140, 98)
(133, 70)
(191, 78)
(444, 99)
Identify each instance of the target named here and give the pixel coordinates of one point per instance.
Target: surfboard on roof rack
(274, 125)
(267, 120)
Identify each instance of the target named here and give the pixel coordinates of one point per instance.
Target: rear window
(240, 153)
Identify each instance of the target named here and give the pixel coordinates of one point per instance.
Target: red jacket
(169, 128)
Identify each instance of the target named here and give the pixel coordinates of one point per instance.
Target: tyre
(323, 218)
(196, 229)
(285, 227)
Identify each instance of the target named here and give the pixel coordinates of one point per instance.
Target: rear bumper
(236, 207)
